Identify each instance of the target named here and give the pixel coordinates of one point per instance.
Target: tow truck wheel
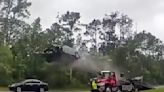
(118, 90)
(136, 90)
(108, 89)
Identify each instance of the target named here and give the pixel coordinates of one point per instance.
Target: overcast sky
(147, 14)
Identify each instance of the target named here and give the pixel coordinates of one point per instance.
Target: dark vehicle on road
(134, 85)
(29, 85)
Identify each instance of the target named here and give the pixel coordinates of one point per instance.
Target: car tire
(41, 90)
(18, 89)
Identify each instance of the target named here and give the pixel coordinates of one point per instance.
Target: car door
(35, 86)
(28, 86)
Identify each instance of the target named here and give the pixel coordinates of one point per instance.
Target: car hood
(14, 84)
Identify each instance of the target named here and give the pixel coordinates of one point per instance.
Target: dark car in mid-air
(29, 85)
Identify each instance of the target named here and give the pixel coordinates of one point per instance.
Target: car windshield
(106, 74)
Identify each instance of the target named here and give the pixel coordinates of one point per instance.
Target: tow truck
(107, 81)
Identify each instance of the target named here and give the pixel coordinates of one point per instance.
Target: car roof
(30, 80)
(105, 71)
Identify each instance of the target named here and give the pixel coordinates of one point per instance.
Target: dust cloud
(96, 63)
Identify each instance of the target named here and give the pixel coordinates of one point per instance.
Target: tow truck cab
(109, 78)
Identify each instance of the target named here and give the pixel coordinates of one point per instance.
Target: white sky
(148, 14)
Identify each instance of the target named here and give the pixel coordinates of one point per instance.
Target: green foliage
(11, 15)
(138, 54)
(156, 90)
(5, 54)
(5, 65)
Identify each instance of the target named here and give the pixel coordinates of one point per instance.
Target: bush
(5, 66)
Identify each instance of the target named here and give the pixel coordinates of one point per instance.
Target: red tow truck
(107, 81)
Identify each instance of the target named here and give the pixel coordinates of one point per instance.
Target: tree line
(22, 45)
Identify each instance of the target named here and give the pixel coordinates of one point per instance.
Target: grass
(67, 91)
(3, 89)
(156, 90)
